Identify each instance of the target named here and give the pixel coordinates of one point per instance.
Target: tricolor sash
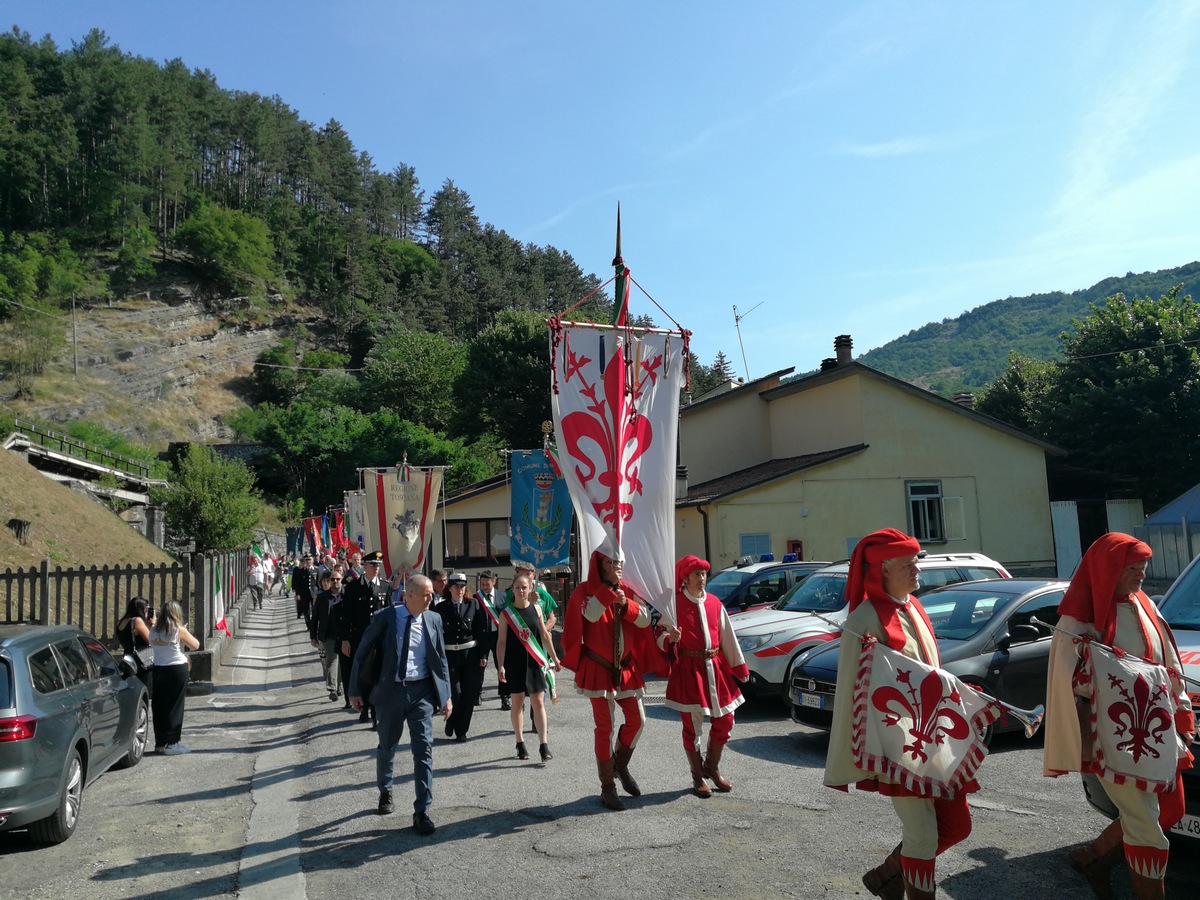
(487, 608)
(1133, 719)
(531, 643)
(916, 724)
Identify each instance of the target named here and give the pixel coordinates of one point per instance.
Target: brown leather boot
(886, 880)
(1095, 861)
(621, 766)
(608, 788)
(1147, 888)
(712, 767)
(699, 787)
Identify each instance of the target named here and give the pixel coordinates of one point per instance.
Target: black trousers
(170, 688)
(466, 677)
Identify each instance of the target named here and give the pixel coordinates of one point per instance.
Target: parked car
(1180, 606)
(773, 638)
(69, 712)
(751, 585)
(985, 637)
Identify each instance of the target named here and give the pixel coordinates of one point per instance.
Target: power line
(264, 365)
(40, 312)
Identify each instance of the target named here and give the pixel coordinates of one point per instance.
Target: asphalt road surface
(277, 799)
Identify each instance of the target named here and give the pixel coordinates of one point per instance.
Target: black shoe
(522, 753)
(460, 738)
(423, 823)
(364, 716)
(505, 703)
(385, 803)
(449, 728)
(546, 755)
(333, 695)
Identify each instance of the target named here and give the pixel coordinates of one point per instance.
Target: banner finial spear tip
(617, 257)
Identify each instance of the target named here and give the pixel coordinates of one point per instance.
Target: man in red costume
(883, 575)
(605, 639)
(1105, 603)
(705, 661)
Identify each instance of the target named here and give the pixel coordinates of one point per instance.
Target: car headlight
(750, 643)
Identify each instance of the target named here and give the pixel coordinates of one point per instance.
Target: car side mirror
(128, 665)
(1019, 634)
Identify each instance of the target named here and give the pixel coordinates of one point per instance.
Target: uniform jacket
(462, 628)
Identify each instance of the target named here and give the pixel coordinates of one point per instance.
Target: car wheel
(60, 824)
(137, 742)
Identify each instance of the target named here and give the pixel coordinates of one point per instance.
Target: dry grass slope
(68, 528)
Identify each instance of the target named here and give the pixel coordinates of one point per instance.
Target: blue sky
(846, 168)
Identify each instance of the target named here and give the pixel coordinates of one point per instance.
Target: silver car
(69, 712)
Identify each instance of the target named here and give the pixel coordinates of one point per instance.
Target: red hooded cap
(686, 566)
(1090, 598)
(866, 563)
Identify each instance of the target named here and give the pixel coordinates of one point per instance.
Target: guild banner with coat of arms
(917, 725)
(1133, 719)
(541, 513)
(356, 519)
(400, 504)
(616, 417)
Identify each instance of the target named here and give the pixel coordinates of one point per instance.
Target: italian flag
(219, 600)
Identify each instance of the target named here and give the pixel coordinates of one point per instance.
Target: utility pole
(737, 324)
(74, 336)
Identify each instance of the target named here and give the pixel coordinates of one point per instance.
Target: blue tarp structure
(1173, 532)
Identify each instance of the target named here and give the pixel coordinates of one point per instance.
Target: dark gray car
(69, 712)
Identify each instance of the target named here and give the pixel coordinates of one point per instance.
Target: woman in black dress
(518, 647)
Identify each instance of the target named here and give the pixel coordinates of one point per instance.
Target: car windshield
(725, 583)
(818, 592)
(1181, 607)
(961, 614)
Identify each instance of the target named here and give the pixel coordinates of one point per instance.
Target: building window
(477, 543)
(926, 517)
(754, 544)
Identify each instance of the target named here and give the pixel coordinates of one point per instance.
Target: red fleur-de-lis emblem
(1139, 716)
(926, 705)
(524, 634)
(607, 440)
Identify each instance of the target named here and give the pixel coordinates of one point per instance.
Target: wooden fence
(94, 598)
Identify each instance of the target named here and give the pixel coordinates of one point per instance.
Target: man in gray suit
(414, 681)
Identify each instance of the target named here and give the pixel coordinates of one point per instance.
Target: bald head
(418, 594)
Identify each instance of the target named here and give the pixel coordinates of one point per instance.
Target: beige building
(811, 465)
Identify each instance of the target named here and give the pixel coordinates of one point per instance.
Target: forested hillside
(968, 352)
(421, 330)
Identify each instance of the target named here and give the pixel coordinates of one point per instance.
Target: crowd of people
(405, 652)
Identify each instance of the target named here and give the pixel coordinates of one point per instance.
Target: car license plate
(813, 701)
(1189, 826)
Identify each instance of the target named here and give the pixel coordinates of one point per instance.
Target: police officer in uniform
(364, 596)
(464, 624)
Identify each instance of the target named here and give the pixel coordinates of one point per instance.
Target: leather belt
(409, 682)
(701, 654)
(612, 668)
(467, 646)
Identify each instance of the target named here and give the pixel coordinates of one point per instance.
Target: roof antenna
(737, 323)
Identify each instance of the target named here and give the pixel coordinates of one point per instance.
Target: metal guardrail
(55, 440)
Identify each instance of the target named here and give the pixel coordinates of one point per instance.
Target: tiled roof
(744, 479)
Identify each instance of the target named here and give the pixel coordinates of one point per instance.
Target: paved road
(278, 801)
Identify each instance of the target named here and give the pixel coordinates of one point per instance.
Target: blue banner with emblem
(541, 512)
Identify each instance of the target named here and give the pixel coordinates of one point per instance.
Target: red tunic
(704, 684)
(591, 623)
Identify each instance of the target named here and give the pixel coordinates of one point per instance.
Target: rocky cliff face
(158, 367)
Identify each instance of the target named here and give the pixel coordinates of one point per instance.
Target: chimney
(828, 363)
(842, 346)
(965, 399)
(681, 482)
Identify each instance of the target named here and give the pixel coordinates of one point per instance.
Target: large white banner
(400, 506)
(616, 422)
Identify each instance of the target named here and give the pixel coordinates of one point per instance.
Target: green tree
(413, 373)
(210, 500)
(1019, 396)
(504, 390)
(231, 248)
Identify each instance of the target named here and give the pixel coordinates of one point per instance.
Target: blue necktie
(404, 649)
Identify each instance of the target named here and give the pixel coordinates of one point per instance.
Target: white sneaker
(175, 750)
